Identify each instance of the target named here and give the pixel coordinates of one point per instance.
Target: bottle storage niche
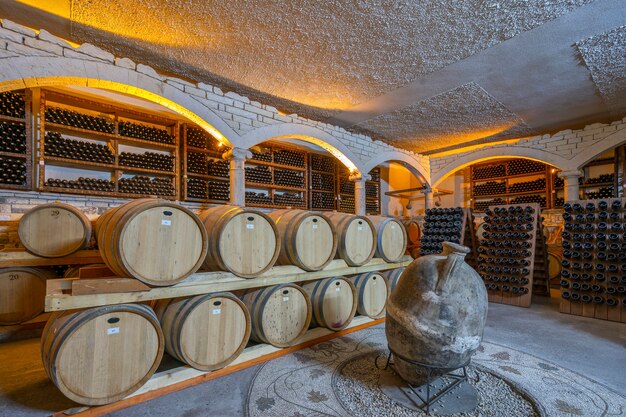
(515, 181)
(507, 254)
(454, 225)
(593, 277)
(322, 183)
(205, 174)
(345, 188)
(97, 148)
(15, 140)
(276, 177)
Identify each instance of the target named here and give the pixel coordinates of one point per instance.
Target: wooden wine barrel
(102, 354)
(392, 276)
(308, 239)
(54, 230)
(372, 292)
(554, 266)
(334, 302)
(391, 238)
(480, 230)
(280, 314)
(207, 331)
(22, 294)
(413, 231)
(356, 238)
(242, 241)
(155, 241)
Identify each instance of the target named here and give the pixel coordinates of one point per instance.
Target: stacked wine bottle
(372, 190)
(441, 225)
(218, 168)
(12, 105)
(259, 174)
(12, 170)
(482, 205)
(603, 192)
(526, 186)
(253, 197)
(594, 258)
(558, 182)
(346, 204)
(56, 145)
(144, 185)
(289, 199)
(144, 132)
(199, 138)
(601, 179)
(505, 259)
(490, 188)
(489, 171)
(197, 188)
(322, 201)
(197, 163)
(262, 156)
(289, 178)
(290, 158)
(322, 182)
(372, 207)
(89, 184)
(346, 186)
(148, 160)
(534, 198)
(219, 190)
(12, 137)
(82, 121)
(525, 166)
(322, 163)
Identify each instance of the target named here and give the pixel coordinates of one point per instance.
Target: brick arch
(408, 161)
(305, 133)
(486, 154)
(37, 71)
(596, 148)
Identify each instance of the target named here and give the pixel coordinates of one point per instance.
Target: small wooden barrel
(392, 276)
(554, 266)
(308, 239)
(206, 332)
(356, 238)
(334, 302)
(280, 314)
(242, 241)
(372, 292)
(413, 231)
(54, 230)
(155, 241)
(391, 238)
(102, 354)
(22, 294)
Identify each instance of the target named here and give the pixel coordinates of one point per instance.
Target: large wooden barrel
(372, 292)
(308, 239)
(155, 241)
(356, 238)
(391, 238)
(54, 230)
(280, 315)
(102, 354)
(334, 302)
(242, 241)
(22, 294)
(413, 231)
(392, 276)
(207, 331)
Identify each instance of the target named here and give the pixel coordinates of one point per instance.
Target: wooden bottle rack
(467, 232)
(28, 155)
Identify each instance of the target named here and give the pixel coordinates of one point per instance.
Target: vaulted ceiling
(420, 74)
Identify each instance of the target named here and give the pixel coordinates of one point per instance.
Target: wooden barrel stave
(356, 238)
(207, 331)
(54, 230)
(334, 302)
(413, 231)
(391, 240)
(242, 241)
(392, 276)
(102, 354)
(137, 240)
(280, 314)
(22, 294)
(372, 293)
(308, 239)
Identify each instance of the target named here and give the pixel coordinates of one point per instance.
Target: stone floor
(595, 349)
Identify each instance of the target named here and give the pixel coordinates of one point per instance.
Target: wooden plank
(23, 258)
(107, 286)
(176, 379)
(208, 282)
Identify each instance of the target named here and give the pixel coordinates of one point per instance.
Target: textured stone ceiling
(405, 70)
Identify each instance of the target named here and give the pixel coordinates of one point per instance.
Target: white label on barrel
(249, 226)
(314, 226)
(337, 289)
(360, 228)
(166, 222)
(217, 311)
(285, 298)
(393, 225)
(113, 330)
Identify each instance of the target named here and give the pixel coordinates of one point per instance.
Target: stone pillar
(237, 157)
(359, 192)
(429, 197)
(459, 190)
(571, 184)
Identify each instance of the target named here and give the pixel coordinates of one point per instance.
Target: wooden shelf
(77, 163)
(145, 170)
(273, 186)
(89, 134)
(322, 172)
(323, 191)
(598, 185)
(207, 177)
(125, 140)
(103, 193)
(59, 297)
(4, 118)
(272, 164)
(9, 258)
(14, 155)
(203, 200)
(216, 154)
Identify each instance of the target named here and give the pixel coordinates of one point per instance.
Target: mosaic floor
(339, 378)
